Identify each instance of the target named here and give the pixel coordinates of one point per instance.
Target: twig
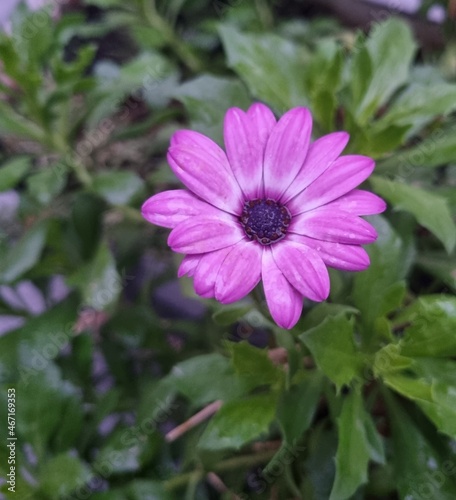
(193, 421)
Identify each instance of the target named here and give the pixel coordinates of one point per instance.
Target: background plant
(109, 354)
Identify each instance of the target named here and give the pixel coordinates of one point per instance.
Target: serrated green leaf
(432, 331)
(387, 256)
(420, 469)
(438, 148)
(430, 210)
(353, 451)
(239, 422)
(12, 171)
(333, 348)
(297, 407)
(253, 366)
(440, 265)
(271, 66)
(191, 378)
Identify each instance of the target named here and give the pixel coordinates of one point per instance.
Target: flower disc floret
(265, 221)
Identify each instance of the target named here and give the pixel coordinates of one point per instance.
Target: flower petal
(284, 301)
(169, 208)
(188, 265)
(330, 225)
(286, 151)
(199, 142)
(207, 271)
(359, 202)
(346, 173)
(204, 234)
(245, 145)
(321, 154)
(206, 177)
(263, 120)
(303, 268)
(240, 272)
(337, 255)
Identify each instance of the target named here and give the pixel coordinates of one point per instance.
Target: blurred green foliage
(108, 354)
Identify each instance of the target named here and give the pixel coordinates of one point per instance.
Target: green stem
(264, 13)
(244, 461)
(181, 49)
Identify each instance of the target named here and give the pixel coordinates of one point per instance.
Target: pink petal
(303, 268)
(199, 142)
(337, 255)
(359, 202)
(245, 139)
(321, 154)
(284, 301)
(206, 177)
(188, 265)
(330, 225)
(286, 151)
(207, 271)
(240, 272)
(205, 234)
(342, 176)
(169, 208)
(263, 120)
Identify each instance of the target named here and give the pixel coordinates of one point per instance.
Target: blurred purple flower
(275, 207)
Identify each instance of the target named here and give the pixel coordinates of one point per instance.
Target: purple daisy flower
(276, 207)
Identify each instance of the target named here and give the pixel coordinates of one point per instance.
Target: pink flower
(276, 207)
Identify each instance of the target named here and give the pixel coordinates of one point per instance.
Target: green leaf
(390, 65)
(420, 470)
(12, 171)
(271, 66)
(98, 280)
(239, 422)
(440, 265)
(191, 377)
(420, 103)
(433, 327)
(63, 474)
(44, 186)
(12, 123)
(42, 390)
(25, 254)
(333, 348)
(297, 407)
(436, 149)
(373, 288)
(354, 449)
(207, 98)
(228, 314)
(142, 489)
(117, 188)
(86, 221)
(253, 366)
(430, 210)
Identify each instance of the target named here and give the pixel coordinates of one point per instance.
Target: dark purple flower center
(265, 221)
